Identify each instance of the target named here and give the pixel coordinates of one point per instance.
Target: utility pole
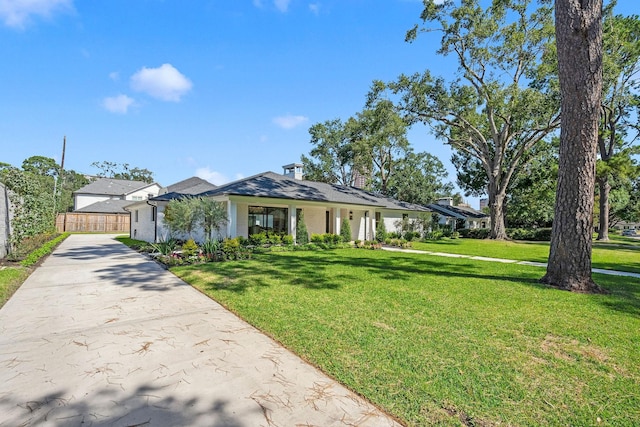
(60, 175)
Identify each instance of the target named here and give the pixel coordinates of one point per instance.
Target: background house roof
(461, 212)
(277, 186)
(106, 206)
(113, 187)
(193, 185)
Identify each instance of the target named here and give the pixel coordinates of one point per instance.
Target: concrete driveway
(101, 336)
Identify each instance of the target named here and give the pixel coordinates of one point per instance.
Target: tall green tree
(621, 66)
(181, 216)
(331, 159)
(379, 141)
(503, 101)
(212, 216)
(419, 178)
(123, 171)
(579, 47)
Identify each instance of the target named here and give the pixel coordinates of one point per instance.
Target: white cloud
(17, 13)
(118, 104)
(115, 76)
(165, 82)
(290, 121)
(281, 5)
(212, 176)
(314, 8)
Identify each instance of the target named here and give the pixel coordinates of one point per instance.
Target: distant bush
(536, 234)
(474, 233)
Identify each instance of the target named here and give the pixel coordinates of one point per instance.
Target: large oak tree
(502, 102)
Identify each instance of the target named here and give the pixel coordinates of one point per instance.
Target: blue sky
(220, 89)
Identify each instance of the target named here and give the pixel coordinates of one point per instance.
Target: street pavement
(100, 335)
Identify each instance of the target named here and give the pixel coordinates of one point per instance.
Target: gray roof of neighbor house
(106, 206)
(277, 186)
(112, 187)
(193, 185)
(461, 212)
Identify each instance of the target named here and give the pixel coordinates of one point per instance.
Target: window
(268, 220)
(137, 198)
(136, 215)
(378, 217)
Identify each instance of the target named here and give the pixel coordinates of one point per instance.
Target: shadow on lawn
(330, 270)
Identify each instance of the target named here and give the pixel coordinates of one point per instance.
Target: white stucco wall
(145, 193)
(5, 221)
(144, 227)
(315, 219)
(83, 200)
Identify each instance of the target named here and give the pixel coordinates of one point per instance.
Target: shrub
(381, 231)
(287, 240)
(274, 239)
(317, 238)
(345, 230)
(35, 255)
(258, 239)
(189, 248)
(212, 249)
(474, 233)
(231, 248)
(411, 235)
(302, 235)
(165, 247)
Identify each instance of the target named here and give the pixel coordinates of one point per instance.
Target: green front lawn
(437, 340)
(10, 280)
(614, 255)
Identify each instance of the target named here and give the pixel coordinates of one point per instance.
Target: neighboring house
(5, 221)
(272, 203)
(454, 216)
(92, 197)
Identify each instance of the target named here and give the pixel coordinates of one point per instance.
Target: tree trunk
(579, 45)
(496, 210)
(604, 189)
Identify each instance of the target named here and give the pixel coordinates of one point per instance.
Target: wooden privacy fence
(93, 222)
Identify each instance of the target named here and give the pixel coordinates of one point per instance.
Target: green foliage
(381, 230)
(165, 247)
(233, 250)
(474, 233)
(211, 215)
(212, 249)
(345, 230)
(44, 250)
(536, 234)
(189, 248)
(287, 240)
(123, 171)
(504, 99)
(317, 238)
(182, 216)
(302, 235)
(418, 178)
(258, 239)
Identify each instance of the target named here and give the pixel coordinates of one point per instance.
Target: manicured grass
(611, 256)
(445, 341)
(10, 280)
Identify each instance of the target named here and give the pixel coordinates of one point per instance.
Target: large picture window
(268, 220)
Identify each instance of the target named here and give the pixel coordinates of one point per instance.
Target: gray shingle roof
(106, 206)
(193, 185)
(461, 212)
(112, 187)
(277, 186)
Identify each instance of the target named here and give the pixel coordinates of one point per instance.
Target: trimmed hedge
(536, 235)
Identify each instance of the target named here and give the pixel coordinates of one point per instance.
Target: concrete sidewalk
(506, 261)
(101, 336)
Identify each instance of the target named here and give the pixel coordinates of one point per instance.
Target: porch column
(337, 219)
(372, 224)
(293, 222)
(232, 215)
